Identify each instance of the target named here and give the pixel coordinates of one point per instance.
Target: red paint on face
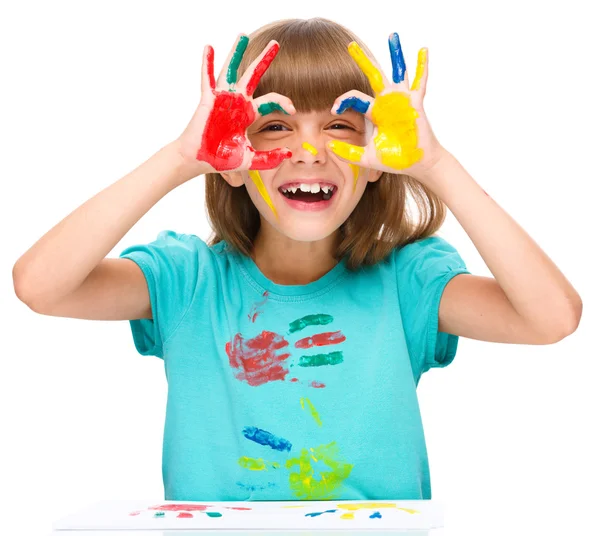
(260, 69)
(317, 385)
(257, 359)
(181, 507)
(321, 339)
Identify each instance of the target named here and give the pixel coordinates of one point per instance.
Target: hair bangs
(313, 66)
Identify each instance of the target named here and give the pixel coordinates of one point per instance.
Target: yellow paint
(306, 485)
(255, 176)
(346, 150)
(397, 142)
(355, 172)
(313, 411)
(256, 464)
(367, 67)
(312, 150)
(421, 61)
(347, 516)
(374, 506)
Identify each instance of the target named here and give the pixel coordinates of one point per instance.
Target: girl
(293, 342)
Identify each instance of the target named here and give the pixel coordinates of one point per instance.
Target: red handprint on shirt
(264, 358)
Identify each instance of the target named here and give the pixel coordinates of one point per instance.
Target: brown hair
(313, 68)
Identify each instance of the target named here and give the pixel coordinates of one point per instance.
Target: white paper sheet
(252, 515)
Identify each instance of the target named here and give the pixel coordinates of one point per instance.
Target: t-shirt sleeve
(172, 266)
(423, 269)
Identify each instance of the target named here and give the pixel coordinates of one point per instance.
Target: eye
(270, 128)
(343, 125)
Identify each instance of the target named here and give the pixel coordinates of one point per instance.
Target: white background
(92, 89)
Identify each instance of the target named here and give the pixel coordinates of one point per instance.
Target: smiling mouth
(312, 193)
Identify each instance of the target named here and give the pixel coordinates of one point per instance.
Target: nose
(309, 151)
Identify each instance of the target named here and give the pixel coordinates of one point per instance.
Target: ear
(374, 175)
(233, 178)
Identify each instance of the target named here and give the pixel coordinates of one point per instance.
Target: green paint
(310, 320)
(236, 59)
(319, 360)
(214, 514)
(159, 514)
(270, 107)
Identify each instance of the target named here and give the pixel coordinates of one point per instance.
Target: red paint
(237, 508)
(257, 359)
(321, 339)
(186, 515)
(135, 513)
(317, 385)
(260, 69)
(179, 507)
(255, 311)
(224, 140)
(210, 66)
(294, 380)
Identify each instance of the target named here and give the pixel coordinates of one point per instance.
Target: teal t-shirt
(293, 392)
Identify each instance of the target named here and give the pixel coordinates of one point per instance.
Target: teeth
(312, 188)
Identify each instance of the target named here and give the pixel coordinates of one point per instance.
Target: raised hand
(402, 141)
(216, 136)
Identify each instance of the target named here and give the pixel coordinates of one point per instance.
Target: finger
(353, 154)
(376, 78)
(420, 82)
(354, 100)
(262, 190)
(208, 69)
(228, 75)
(269, 159)
(257, 68)
(398, 64)
(273, 102)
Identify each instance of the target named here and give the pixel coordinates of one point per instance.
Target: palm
(402, 140)
(216, 135)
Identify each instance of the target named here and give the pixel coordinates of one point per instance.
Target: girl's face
(315, 214)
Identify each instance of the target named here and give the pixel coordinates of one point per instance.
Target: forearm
(59, 261)
(536, 288)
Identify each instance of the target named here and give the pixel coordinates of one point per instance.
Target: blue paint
(355, 104)
(398, 65)
(374, 515)
(266, 438)
(315, 514)
(250, 487)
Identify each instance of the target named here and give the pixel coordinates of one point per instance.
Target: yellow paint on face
(256, 464)
(397, 142)
(355, 171)
(367, 67)
(306, 485)
(421, 60)
(313, 411)
(312, 150)
(256, 179)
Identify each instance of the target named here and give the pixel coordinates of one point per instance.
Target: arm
(529, 300)
(65, 269)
